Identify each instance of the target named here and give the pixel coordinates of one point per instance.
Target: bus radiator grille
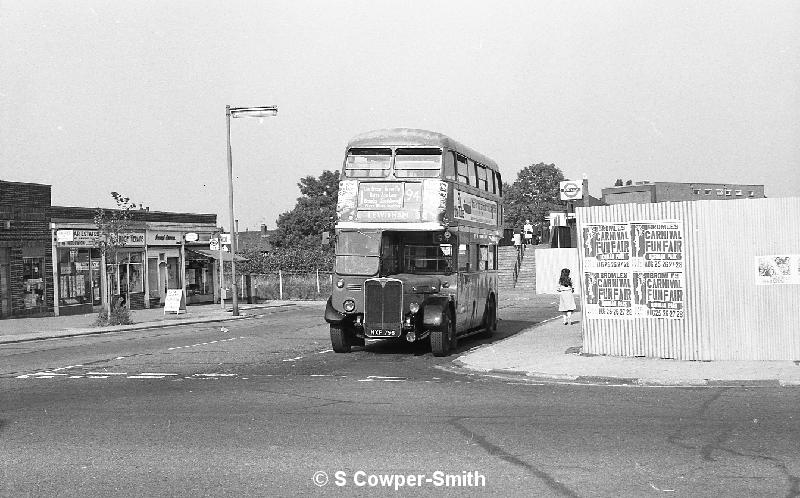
(383, 308)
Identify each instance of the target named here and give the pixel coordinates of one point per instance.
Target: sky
(130, 96)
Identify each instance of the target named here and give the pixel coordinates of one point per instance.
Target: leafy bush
(120, 315)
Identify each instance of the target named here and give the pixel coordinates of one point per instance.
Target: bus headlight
(340, 283)
(413, 307)
(349, 305)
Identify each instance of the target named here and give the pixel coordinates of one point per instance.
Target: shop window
(33, 283)
(720, 191)
(752, 194)
(739, 192)
(74, 276)
(708, 191)
(696, 191)
(727, 191)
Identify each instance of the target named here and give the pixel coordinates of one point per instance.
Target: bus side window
(490, 179)
(482, 181)
(461, 170)
(492, 257)
(473, 180)
(449, 166)
(463, 257)
(499, 183)
(483, 257)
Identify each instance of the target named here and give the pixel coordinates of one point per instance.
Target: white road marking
(144, 377)
(325, 351)
(106, 373)
(157, 373)
(293, 359)
(381, 378)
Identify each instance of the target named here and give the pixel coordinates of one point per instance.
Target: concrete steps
(507, 258)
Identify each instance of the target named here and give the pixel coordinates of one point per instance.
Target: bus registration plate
(382, 332)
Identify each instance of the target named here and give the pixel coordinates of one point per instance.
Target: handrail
(518, 264)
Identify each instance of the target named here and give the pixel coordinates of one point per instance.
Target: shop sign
(131, 239)
(76, 238)
(191, 237)
(163, 238)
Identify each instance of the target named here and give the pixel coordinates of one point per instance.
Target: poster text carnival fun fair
(634, 270)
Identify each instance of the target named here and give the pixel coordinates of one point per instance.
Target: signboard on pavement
(174, 302)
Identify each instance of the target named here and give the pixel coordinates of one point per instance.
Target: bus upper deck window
(450, 166)
(473, 180)
(417, 163)
(482, 181)
(461, 170)
(368, 163)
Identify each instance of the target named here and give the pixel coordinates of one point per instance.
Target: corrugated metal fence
(730, 313)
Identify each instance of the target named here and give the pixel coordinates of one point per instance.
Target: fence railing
(286, 285)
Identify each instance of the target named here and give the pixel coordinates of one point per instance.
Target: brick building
(26, 285)
(647, 192)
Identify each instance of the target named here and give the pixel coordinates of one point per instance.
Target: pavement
(546, 352)
(52, 327)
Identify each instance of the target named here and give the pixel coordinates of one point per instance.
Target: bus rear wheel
(442, 337)
(340, 338)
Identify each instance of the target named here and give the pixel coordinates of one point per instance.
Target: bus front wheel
(340, 340)
(442, 337)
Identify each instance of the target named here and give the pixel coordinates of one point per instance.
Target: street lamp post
(239, 112)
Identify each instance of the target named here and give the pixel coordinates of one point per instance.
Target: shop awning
(226, 256)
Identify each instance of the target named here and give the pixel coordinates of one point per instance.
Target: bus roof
(398, 137)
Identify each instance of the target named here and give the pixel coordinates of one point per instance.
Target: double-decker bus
(419, 216)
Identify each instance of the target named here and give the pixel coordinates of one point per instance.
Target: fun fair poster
(634, 270)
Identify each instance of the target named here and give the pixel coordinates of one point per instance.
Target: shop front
(164, 264)
(77, 270)
(201, 275)
(79, 275)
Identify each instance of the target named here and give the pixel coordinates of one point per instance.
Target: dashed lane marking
(381, 378)
(203, 343)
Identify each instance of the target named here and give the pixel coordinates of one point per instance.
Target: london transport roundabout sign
(570, 190)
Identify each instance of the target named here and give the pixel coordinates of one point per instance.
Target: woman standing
(566, 301)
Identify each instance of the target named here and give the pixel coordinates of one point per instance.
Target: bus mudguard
(331, 314)
(433, 308)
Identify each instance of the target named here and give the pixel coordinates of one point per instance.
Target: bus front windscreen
(358, 252)
(417, 162)
(368, 163)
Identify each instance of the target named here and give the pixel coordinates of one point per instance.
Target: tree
(532, 195)
(618, 183)
(314, 213)
(629, 182)
(112, 231)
